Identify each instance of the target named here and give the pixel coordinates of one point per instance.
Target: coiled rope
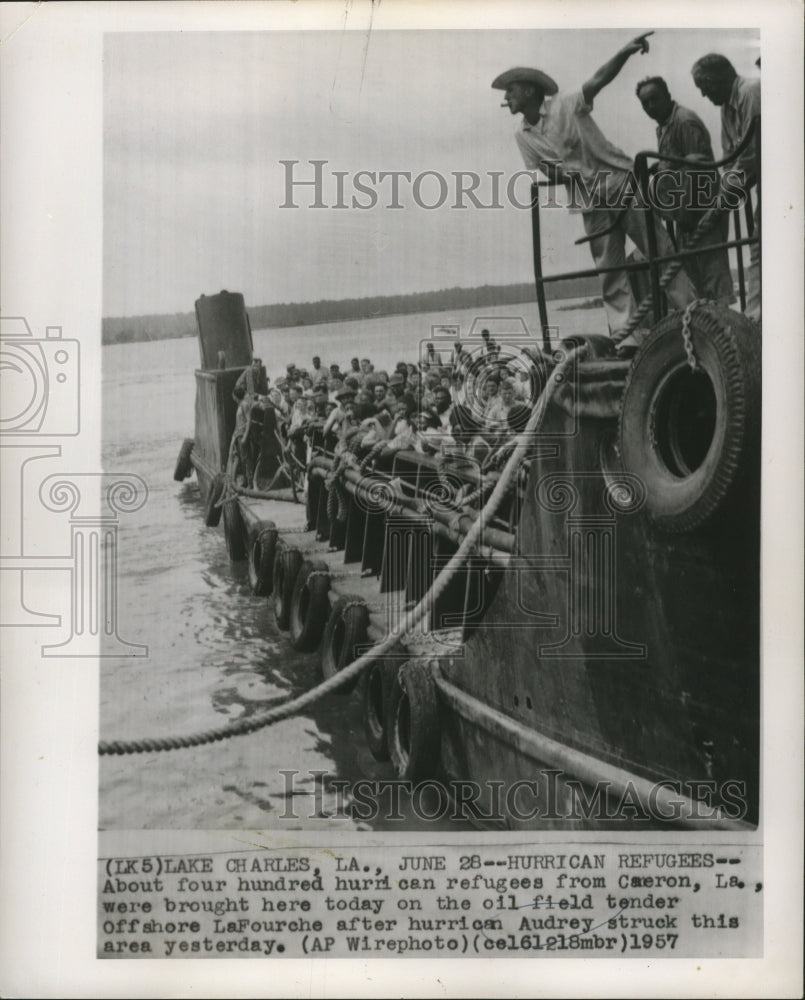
(241, 727)
(705, 224)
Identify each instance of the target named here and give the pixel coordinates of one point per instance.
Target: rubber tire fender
(345, 629)
(212, 512)
(727, 347)
(376, 685)
(261, 559)
(412, 722)
(234, 531)
(287, 561)
(310, 605)
(183, 464)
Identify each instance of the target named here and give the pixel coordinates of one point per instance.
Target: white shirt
(567, 136)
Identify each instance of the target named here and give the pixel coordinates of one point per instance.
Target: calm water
(214, 652)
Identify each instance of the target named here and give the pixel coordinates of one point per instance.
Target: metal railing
(655, 260)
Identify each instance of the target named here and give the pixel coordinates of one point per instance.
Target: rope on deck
(704, 226)
(271, 716)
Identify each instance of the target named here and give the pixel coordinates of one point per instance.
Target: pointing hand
(638, 44)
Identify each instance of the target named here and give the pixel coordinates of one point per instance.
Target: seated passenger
(401, 438)
(498, 410)
(429, 433)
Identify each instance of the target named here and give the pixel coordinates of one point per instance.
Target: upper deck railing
(655, 260)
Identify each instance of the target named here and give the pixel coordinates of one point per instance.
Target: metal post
(740, 257)
(641, 169)
(537, 246)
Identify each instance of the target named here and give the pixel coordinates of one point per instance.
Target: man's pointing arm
(607, 73)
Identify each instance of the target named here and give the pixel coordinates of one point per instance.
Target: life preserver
(345, 629)
(413, 729)
(183, 464)
(287, 561)
(234, 530)
(310, 605)
(261, 559)
(376, 685)
(693, 437)
(212, 512)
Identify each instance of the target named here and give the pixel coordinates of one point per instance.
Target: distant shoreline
(595, 303)
(167, 326)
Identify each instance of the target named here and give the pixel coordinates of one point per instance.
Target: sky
(197, 124)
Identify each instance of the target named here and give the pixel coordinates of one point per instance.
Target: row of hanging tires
(399, 701)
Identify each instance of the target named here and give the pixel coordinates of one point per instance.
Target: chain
(314, 573)
(687, 340)
(353, 604)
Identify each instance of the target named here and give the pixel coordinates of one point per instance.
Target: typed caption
(637, 900)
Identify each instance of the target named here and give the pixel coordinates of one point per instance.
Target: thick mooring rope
(295, 705)
(704, 225)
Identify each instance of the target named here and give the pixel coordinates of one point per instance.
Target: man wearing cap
(559, 137)
(343, 396)
(396, 387)
(739, 100)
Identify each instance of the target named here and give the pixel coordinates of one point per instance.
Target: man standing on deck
(739, 100)
(253, 380)
(559, 137)
(682, 133)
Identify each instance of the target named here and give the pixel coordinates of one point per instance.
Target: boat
(591, 659)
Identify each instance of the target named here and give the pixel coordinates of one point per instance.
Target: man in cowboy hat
(559, 137)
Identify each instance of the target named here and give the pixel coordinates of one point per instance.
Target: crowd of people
(469, 404)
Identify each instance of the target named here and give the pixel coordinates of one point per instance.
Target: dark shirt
(255, 384)
(685, 134)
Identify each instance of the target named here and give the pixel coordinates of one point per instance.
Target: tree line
(166, 326)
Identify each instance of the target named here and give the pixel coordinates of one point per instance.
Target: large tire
(261, 559)
(310, 605)
(412, 722)
(346, 628)
(376, 685)
(212, 512)
(234, 531)
(183, 464)
(693, 438)
(287, 562)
